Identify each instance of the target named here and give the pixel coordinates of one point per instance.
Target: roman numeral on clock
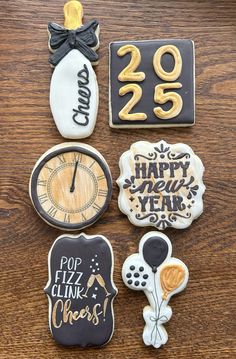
(67, 218)
(83, 217)
(92, 164)
(99, 178)
(102, 193)
(43, 198)
(48, 168)
(52, 211)
(61, 158)
(77, 157)
(42, 183)
(96, 207)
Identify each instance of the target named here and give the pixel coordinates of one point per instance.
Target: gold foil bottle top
(73, 12)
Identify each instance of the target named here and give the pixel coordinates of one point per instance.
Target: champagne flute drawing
(89, 284)
(102, 283)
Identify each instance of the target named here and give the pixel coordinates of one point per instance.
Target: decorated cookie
(160, 276)
(74, 88)
(80, 290)
(71, 186)
(152, 83)
(161, 185)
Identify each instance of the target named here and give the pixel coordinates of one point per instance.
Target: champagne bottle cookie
(74, 92)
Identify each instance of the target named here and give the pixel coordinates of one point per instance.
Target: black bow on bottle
(62, 41)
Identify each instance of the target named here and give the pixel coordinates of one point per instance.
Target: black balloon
(155, 251)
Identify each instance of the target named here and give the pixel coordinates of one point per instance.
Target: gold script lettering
(54, 313)
(70, 316)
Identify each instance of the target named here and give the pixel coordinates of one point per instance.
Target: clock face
(71, 187)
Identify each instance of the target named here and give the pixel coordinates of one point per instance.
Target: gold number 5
(161, 97)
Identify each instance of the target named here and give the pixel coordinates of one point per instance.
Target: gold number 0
(128, 73)
(159, 95)
(137, 94)
(175, 73)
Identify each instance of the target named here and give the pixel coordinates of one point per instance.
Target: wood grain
(204, 321)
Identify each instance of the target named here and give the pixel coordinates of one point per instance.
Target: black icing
(62, 41)
(84, 97)
(155, 250)
(147, 104)
(81, 266)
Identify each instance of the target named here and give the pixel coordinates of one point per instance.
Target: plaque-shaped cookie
(161, 185)
(74, 92)
(80, 290)
(152, 83)
(159, 275)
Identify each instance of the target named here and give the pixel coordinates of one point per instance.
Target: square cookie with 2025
(152, 84)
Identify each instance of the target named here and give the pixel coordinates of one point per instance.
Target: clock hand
(72, 187)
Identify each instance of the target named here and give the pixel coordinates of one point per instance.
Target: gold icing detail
(73, 12)
(175, 73)
(54, 314)
(161, 97)
(69, 316)
(128, 73)
(137, 94)
(171, 276)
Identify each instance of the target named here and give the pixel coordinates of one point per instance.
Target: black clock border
(34, 195)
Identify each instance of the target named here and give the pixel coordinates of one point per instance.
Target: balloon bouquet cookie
(154, 271)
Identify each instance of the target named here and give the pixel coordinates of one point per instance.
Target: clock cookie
(160, 276)
(81, 290)
(161, 185)
(74, 88)
(71, 186)
(152, 83)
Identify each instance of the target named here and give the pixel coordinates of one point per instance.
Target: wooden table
(204, 320)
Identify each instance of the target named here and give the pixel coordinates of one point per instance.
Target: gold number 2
(159, 95)
(137, 94)
(128, 73)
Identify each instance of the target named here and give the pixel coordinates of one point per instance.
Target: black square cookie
(152, 84)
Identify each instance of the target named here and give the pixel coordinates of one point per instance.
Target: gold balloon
(73, 12)
(172, 276)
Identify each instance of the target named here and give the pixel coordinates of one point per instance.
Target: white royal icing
(68, 98)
